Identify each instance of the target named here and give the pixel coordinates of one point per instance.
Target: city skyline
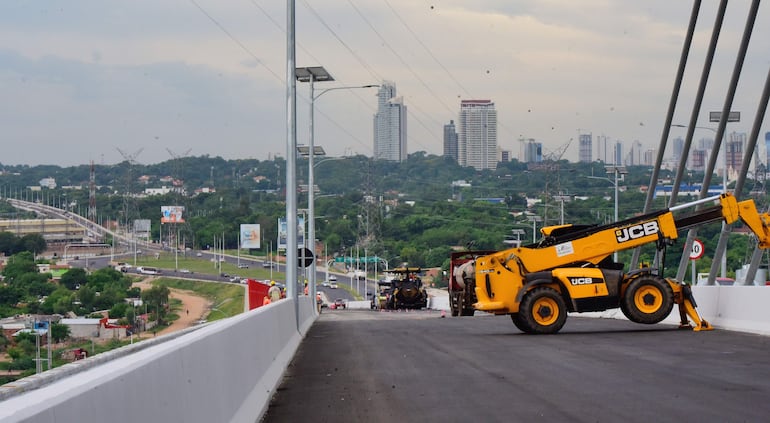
(84, 80)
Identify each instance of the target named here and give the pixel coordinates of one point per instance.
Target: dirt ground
(194, 307)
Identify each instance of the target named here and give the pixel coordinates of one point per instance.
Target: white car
(333, 285)
(332, 277)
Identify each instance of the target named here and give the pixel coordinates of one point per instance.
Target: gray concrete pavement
(358, 366)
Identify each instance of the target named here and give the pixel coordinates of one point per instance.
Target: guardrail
(225, 371)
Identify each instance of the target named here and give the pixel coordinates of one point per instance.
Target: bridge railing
(225, 371)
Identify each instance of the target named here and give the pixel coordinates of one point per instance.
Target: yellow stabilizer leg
(686, 309)
(683, 297)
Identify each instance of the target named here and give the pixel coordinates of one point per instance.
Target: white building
(477, 134)
(49, 183)
(389, 124)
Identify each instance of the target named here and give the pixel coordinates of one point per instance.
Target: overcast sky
(84, 80)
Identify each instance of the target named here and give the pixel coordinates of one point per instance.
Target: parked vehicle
(572, 269)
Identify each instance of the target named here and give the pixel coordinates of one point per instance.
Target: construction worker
(274, 292)
(306, 288)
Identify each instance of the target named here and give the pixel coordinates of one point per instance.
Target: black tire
(648, 300)
(542, 311)
(520, 325)
(454, 303)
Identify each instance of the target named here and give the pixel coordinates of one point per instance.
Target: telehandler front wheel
(542, 311)
(648, 300)
(520, 325)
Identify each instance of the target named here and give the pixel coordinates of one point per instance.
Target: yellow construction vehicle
(572, 269)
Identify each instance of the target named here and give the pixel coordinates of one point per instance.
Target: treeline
(11, 244)
(414, 211)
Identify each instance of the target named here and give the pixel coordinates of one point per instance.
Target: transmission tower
(552, 167)
(178, 189)
(92, 194)
(176, 168)
(128, 197)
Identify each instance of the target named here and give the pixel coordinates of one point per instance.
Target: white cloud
(83, 77)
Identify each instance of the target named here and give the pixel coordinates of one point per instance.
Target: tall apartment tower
(586, 148)
(533, 151)
(736, 144)
(450, 140)
(477, 134)
(389, 124)
(767, 150)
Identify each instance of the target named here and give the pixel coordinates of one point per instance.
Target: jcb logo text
(636, 231)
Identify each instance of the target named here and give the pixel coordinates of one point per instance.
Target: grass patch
(227, 298)
(168, 262)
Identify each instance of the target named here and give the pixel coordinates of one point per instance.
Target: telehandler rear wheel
(648, 300)
(542, 311)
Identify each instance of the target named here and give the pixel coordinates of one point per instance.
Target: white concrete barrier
(359, 305)
(440, 302)
(738, 308)
(226, 371)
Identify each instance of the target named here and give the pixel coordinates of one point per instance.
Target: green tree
(7, 243)
(118, 311)
(74, 278)
(19, 264)
(34, 243)
(59, 332)
(157, 298)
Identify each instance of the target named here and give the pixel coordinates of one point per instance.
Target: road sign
(346, 259)
(306, 255)
(697, 250)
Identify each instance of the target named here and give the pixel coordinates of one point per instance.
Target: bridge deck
(358, 366)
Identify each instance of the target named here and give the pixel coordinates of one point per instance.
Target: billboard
(171, 214)
(142, 226)
(250, 235)
(283, 232)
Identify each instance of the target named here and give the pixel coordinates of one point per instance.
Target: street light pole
(618, 171)
(311, 75)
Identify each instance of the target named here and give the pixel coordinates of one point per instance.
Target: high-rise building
(450, 140)
(618, 154)
(635, 156)
(767, 152)
(533, 151)
(736, 145)
(586, 148)
(678, 146)
(389, 124)
(477, 134)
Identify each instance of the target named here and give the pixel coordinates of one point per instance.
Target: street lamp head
(316, 73)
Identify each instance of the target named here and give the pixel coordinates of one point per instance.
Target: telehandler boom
(571, 269)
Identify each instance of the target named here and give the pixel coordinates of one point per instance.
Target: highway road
(356, 366)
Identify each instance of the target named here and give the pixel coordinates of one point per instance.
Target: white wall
(738, 308)
(225, 371)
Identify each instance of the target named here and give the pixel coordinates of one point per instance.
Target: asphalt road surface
(362, 366)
